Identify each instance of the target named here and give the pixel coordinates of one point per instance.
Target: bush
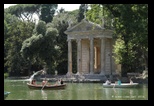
(6, 75)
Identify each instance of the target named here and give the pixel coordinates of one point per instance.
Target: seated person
(44, 81)
(58, 82)
(119, 82)
(33, 82)
(131, 82)
(108, 82)
(61, 81)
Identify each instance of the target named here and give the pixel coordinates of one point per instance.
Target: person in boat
(45, 81)
(108, 82)
(57, 82)
(131, 82)
(118, 82)
(61, 81)
(33, 82)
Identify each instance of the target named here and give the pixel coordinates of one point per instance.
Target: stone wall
(85, 56)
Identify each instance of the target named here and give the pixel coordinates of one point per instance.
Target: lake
(74, 91)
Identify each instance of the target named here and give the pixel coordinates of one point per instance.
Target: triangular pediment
(84, 25)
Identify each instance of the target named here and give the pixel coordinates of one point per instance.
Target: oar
(44, 85)
(114, 86)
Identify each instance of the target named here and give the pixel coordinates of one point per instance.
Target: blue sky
(67, 7)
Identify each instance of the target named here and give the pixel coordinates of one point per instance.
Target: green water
(74, 91)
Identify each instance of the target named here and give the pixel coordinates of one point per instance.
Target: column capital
(78, 40)
(69, 40)
(91, 38)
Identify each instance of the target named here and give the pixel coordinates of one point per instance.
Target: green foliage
(47, 12)
(23, 11)
(41, 27)
(98, 14)
(60, 22)
(131, 25)
(15, 31)
(95, 13)
(6, 75)
(41, 46)
(82, 11)
(119, 48)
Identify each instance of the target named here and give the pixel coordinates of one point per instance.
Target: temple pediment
(87, 28)
(84, 25)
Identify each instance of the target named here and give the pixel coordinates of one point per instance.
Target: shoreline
(80, 80)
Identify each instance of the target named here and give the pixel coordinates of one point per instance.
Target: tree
(41, 28)
(99, 15)
(24, 12)
(47, 12)
(16, 32)
(41, 46)
(82, 12)
(131, 23)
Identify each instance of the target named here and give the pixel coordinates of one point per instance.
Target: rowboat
(122, 85)
(47, 87)
(6, 94)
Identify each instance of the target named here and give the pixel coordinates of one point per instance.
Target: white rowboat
(123, 85)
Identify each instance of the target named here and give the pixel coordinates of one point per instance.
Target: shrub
(6, 75)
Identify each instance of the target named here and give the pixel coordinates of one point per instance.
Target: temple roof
(86, 28)
(84, 25)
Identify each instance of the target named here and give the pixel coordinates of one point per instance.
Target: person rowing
(44, 82)
(108, 82)
(131, 82)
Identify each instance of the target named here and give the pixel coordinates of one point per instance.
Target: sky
(67, 7)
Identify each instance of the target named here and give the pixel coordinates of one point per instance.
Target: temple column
(111, 70)
(69, 57)
(78, 56)
(102, 56)
(91, 55)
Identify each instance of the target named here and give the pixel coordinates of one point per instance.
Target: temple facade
(94, 49)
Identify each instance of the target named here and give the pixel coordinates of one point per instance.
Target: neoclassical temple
(94, 48)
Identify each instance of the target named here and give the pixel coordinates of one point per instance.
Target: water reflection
(124, 94)
(31, 94)
(44, 95)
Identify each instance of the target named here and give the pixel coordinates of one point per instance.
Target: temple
(94, 49)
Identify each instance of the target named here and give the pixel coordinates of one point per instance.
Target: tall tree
(82, 10)
(16, 32)
(24, 12)
(131, 25)
(41, 46)
(47, 12)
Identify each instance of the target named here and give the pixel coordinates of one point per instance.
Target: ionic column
(102, 56)
(91, 55)
(69, 57)
(78, 56)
